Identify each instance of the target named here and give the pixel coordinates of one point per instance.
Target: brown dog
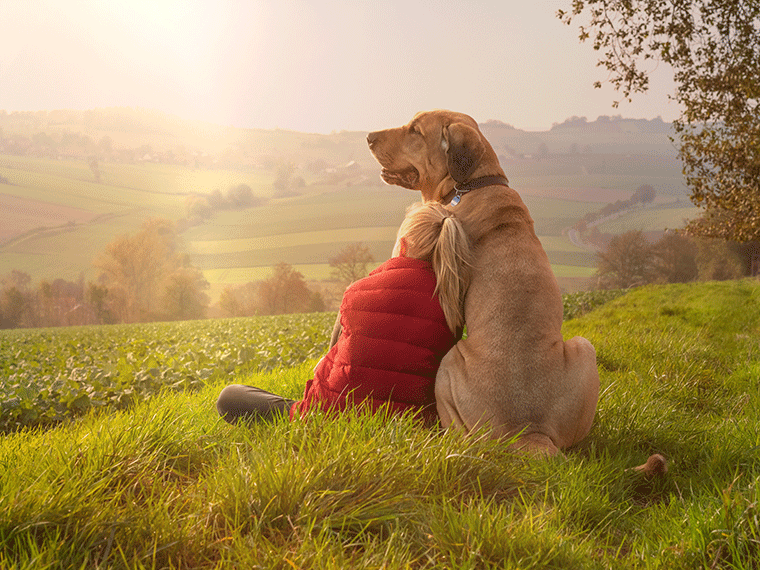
(513, 372)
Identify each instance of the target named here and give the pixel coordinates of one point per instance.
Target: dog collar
(476, 183)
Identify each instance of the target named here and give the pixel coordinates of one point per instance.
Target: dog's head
(436, 150)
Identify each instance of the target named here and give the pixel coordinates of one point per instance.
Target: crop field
(57, 218)
(296, 239)
(147, 177)
(575, 272)
(321, 209)
(615, 186)
(47, 375)
(651, 219)
(176, 179)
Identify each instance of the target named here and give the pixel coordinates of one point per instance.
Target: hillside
(72, 181)
(165, 483)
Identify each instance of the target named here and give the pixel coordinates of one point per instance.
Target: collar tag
(476, 183)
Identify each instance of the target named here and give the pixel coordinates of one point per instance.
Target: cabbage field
(47, 375)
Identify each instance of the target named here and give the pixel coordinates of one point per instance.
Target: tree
(16, 300)
(133, 266)
(147, 278)
(240, 197)
(717, 260)
(350, 264)
(675, 258)
(240, 301)
(184, 296)
(230, 303)
(626, 262)
(285, 292)
(44, 142)
(198, 207)
(286, 180)
(92, 162)
(713, 49)
(97, 297)
(14, 308)
(645, 194)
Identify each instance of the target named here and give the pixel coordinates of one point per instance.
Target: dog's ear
(464, 149)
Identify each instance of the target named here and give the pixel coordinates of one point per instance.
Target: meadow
(165, 483)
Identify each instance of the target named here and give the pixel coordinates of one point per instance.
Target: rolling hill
(70, 182)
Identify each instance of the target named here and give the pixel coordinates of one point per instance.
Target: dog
(513, 374)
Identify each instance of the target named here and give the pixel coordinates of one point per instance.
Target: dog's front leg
(455, 401)
(444, 396)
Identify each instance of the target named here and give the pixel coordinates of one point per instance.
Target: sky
(311, 65)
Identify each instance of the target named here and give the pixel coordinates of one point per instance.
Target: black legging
(247, 403)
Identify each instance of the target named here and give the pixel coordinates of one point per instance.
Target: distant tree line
(631, 260)
(142, 277)
(605, 123)
(51, 303)
(80, 146)
(145, 277)
(201, 207)
(287, 291)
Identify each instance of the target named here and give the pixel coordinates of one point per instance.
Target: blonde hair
(430, 232)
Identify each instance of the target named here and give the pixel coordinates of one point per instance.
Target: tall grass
(168, 485)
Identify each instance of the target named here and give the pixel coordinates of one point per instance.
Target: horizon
(315, 67)
(588, 120)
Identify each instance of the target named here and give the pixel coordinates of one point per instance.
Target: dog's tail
(431, 232)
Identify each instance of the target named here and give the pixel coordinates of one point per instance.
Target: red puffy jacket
(393, 339)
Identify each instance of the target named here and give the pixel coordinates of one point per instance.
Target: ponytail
(431, 232)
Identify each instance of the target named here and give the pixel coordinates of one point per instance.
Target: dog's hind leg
(580, 393)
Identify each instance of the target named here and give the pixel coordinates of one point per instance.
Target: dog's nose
(372, 138)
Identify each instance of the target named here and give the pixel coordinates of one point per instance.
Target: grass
(168, 485)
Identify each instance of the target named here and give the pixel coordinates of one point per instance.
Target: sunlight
(169, 47)
(157, 28)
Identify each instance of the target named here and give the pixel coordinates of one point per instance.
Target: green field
(666, 216)
(57, 218)
(51, 375)
(164, 483)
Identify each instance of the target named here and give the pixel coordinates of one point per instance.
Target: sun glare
(166, 45)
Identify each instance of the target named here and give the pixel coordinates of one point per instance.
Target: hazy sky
(310, 65)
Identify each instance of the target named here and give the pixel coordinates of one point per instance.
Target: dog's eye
(416, 130)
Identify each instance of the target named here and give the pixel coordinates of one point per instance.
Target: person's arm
(336, 332)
